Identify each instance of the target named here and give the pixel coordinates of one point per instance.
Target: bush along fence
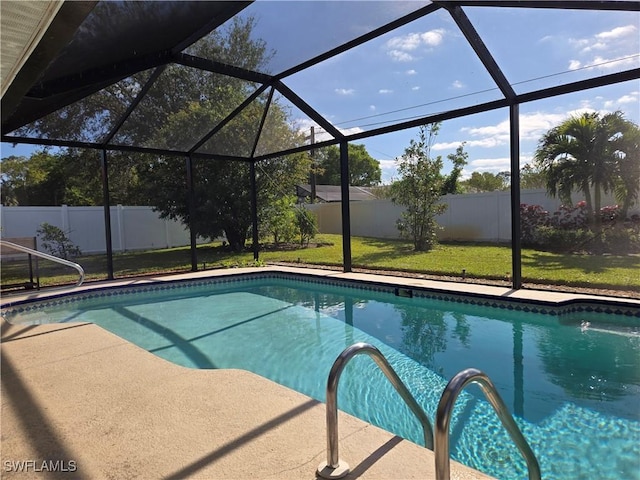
(569, 229)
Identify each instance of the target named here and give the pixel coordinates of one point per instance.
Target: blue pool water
(573, 387)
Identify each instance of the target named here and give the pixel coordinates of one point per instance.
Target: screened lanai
(136, 77)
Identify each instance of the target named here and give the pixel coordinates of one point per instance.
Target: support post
(516, 243)
(312, 180)
(346, 215)
(192, 213)
(104, 170)
(254, 210)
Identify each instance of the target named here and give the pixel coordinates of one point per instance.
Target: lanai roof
(91, 45)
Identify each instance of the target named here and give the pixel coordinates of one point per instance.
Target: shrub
(609, 214)
(621, 239)
(567, 229)
(562, 240)
(569, 217)
(532, 217)
(279, 220)
(55, 240)
(307, 225)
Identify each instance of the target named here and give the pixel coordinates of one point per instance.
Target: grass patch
(478, 260)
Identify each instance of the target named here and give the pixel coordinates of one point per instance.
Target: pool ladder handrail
(443, 418)
(334, 468)
(46, 256)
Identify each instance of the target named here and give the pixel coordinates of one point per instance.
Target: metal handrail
(46, 256)
(334, 468)
(443, 418)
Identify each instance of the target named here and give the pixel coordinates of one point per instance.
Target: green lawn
(478, 261)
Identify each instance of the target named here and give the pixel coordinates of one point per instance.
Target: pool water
(572, 381)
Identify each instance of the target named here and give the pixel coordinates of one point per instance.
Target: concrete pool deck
(99, 405)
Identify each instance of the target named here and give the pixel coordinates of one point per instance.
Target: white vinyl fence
(481, 217)
(132, 228)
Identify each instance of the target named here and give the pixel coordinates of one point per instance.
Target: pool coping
(534, 301)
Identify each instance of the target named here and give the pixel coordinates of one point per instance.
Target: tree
(486, 182)
(531, 177)
(459, 160)
(307, 224)
(56, 241)
(280, 219)
(21, 180)
(49, 179)
(594, 154)
(182, 107)
(69, 177)
(364, 170)
(627, 182)
(419, 189)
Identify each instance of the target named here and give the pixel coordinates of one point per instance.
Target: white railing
(46, 256)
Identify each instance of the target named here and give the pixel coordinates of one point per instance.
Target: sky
(427, 66)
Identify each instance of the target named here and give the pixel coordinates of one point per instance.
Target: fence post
(167, 234)
(64, 217)
(496, 212)
(122, 237)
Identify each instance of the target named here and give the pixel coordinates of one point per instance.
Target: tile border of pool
(527, 301)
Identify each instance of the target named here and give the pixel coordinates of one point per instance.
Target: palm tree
(593, 154)
(627, 187)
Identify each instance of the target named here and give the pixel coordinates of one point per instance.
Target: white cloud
(532, 127)
(304, 127)
(385, 91)
(501, 128)
(483, 143)
(578, 43)
(432, 38)
(350, 131)
(632, 97)
(372, 108)
(620, 43)
(457, 84)
(611, 63)
(618, 32)
(399, 48)
(411, 72)
(345, 91)
(389, 170)
(574, 64)
(400, 56)
(493, 165)
(594, 46)
(415, 88)
(407, 42)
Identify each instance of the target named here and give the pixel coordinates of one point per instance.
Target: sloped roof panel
(118, 39)
(302, 30)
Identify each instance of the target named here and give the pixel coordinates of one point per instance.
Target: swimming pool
(573, 387)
